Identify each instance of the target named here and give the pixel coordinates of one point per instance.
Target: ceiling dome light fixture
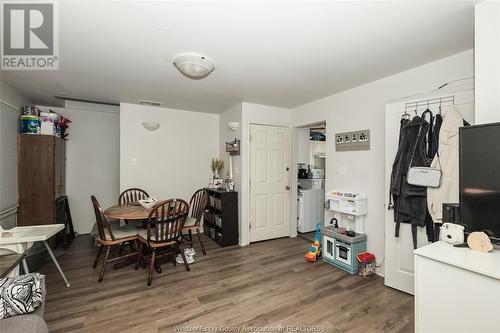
(194, 66)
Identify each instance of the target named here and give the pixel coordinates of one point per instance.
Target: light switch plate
(354, 140)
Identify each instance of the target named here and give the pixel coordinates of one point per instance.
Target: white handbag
(423, 176)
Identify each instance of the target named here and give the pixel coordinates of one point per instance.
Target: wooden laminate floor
(263, 284)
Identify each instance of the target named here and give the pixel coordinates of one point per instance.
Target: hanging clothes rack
(432, 91)
(441, 101)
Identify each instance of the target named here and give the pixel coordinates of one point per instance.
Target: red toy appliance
(367, 264)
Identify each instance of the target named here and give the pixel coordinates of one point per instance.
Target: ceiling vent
(149, 103)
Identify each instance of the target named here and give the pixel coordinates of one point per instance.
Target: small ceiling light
(151, 125)
(194, 66)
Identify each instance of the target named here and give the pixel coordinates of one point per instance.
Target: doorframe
(391, 278)
(245, 179)
(295, 170)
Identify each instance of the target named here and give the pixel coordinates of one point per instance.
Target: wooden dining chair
(197, 204)
(126, 198)
(132, 195)
(110, 235)
(163, 234)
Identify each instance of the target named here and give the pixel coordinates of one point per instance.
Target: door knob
(288, 188)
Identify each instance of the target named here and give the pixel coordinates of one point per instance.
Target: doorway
(311, 167)
(269, 182)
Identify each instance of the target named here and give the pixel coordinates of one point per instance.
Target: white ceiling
(276, 53)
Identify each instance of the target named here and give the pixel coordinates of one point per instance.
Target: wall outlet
(354, 140)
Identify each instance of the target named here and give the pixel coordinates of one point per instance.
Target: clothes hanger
(405, 115)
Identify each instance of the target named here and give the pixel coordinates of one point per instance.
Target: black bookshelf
(220, 221)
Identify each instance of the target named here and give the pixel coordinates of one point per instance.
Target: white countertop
(483, 263)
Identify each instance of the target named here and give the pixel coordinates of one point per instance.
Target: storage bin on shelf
(218, 221)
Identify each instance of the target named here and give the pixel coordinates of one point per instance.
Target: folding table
(21, 238)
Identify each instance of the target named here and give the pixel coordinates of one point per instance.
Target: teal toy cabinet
(341, 250)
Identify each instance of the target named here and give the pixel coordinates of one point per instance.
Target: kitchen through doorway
(311, 160)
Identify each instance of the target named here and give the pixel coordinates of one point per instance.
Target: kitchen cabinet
(318, 147)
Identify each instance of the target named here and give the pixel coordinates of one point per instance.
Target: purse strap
(416, 143)
(429, 132)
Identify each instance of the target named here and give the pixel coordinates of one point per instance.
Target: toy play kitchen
(341, 250)
(343, 238)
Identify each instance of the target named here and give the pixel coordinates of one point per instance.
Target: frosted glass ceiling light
(194, 66)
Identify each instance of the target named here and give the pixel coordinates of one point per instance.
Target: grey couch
(28, 323)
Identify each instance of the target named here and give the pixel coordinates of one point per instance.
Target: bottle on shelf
(309, 172)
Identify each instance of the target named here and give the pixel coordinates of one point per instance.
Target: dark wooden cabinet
(220, 221)
(41, 177)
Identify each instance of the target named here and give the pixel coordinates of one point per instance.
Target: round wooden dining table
(131, 212)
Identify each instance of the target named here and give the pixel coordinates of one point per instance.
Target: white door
(399, 250)
(269, 182)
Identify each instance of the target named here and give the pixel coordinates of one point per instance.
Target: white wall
(263, 115)
(12, 97)
(303, 147)
(11, 102)
(363, 107)
(92, 159)
(487, 61)
(172, 161)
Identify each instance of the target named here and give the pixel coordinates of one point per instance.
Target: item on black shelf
(451, 213)
(452, 233)
(218, 183)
